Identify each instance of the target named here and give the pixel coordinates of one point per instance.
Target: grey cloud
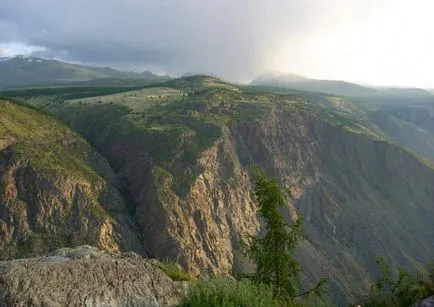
(114, 54)
(230, 38)
(358, 40)
(4, 52)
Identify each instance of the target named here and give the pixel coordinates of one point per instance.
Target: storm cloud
(234, 39)
(224, 37)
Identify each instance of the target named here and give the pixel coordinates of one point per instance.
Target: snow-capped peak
(4, 59)
(28, 59)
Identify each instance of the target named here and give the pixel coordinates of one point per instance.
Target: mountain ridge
(336, 87)
(27, 70)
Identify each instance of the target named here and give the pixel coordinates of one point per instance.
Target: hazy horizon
(375, 42)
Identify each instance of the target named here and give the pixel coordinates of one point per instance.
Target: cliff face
(55, 190)
(185, 161)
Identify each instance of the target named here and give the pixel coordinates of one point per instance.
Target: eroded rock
(86, 276)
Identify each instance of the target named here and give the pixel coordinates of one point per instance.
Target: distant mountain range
(25, 71)
(335, 87)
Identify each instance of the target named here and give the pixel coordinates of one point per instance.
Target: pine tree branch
(318, 289)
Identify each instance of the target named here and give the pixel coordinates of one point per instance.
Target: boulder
(86, 276)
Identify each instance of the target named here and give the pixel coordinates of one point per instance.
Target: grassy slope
(45, 142)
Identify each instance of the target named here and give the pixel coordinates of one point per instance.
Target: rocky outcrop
(86, 276)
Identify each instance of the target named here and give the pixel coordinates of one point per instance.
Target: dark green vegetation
(398, 288)
(66, 92)
(180, 154)
(22, 71)
(228, 293)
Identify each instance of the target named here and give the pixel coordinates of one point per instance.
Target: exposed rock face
(55, 190)
(202, 229)
(86, 276)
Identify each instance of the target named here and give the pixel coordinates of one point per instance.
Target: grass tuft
(174, 271)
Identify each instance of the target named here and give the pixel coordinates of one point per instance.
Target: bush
(174, 271)
(399, 288)
(215, 292)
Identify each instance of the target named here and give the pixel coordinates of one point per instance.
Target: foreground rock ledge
(86, 276)
(428, 302)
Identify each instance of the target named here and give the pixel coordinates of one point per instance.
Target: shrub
(399, 288)
(213, 292)
(174, 271)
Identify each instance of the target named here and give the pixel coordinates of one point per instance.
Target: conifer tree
(273, 252)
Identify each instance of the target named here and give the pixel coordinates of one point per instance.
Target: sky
(378, 42)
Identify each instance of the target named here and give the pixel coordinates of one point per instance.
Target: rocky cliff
(55, 190)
